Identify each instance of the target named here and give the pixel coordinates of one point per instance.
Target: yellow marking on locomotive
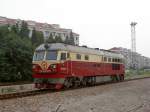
(44, 65)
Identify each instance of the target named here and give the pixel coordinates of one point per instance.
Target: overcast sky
(100, 23)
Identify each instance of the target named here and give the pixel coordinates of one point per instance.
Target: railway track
(38, 92)
(14, 83)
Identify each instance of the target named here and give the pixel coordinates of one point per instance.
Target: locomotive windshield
(39, 55)
(51, 55)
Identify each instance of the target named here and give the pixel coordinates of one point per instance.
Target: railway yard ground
(9, 88)
(130, 96)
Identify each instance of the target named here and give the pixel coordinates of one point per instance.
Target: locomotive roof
(78, 49)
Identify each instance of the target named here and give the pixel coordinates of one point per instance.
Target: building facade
(133, 59)
(47, 29)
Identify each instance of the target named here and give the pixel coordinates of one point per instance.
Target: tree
(15, 56)
(34, 37)
(3, 31)
(58, 39)
(70, 40)
(50, 39)
(40, 38)
(15, 28)
(37, 38)
(24, 31)
(66, 40)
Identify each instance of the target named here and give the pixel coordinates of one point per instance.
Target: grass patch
(131, 74)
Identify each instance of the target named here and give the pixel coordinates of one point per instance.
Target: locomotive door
(64, 62)
(68, 63)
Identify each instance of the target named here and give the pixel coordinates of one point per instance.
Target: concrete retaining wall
(16, 88)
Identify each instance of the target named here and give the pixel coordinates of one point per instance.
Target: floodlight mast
(133, 37)
(133, 45)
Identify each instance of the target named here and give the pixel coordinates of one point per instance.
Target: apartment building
(47, 29)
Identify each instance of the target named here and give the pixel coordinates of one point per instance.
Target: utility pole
(133, 45)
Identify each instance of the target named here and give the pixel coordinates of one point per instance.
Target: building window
(86, 57)
(76, 38)
(46, 33)
(78, 56)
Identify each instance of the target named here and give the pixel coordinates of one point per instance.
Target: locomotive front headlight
(33, 66)
(36, 68)
(53, 66)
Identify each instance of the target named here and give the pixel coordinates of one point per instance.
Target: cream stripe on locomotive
(77, 53)
(94, 58)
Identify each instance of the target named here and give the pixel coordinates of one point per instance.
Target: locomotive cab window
(63, 56)
(39, 55)
(51, 55)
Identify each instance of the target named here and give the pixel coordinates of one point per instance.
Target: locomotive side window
(63, 56)
(78, 56)
(68, 55)
(105, 58)
(121, 60)
(109, 59)
(113, 60)
(116, 60)
(86, 57)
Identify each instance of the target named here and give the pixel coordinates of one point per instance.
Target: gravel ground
(132, 96)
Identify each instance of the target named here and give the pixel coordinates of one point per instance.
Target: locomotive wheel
(93, 80)
(72, 82)
(89, 81)
(114, 78)
(121, 77)
(84, 81)
(68, 83)
(76, 82)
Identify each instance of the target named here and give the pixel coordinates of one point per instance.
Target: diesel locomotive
(59, 65)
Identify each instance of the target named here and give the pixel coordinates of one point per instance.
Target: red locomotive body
(59, 65)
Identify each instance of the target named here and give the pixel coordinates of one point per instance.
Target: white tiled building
(139, 61)
(47, 29)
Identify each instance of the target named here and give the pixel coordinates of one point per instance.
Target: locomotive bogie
(70, 82)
